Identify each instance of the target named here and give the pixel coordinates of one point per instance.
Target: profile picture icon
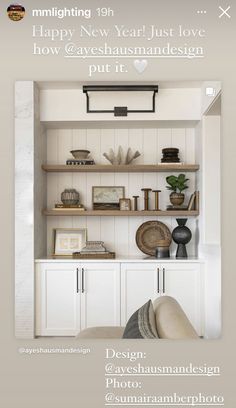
(16, 12)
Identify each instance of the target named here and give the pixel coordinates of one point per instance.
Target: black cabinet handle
(158, 280)
(77, 280)
(164, 279)
(82, 280)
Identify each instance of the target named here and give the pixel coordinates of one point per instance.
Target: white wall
(207, 100)
(211, 181)
(208, 154)
(118, 233)
(70, 105)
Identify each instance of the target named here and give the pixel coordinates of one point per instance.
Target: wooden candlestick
(156, 199)
(135, 203)
(146, 198)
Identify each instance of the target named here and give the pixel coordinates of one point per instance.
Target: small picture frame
(125, 204)
(107, 197)
(69, 240)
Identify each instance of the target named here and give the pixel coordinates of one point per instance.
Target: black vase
(181, 236)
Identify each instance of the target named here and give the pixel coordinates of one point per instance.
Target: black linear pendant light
(121, 110)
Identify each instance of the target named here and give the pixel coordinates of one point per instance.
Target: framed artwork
(69, 240)
(107, 198)
(125, 204)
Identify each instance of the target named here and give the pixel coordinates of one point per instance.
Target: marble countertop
(125, 259)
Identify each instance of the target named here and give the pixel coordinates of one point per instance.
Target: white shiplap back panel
(136, 183)
(64, 223)
(150, 146)
(190, 158)
(108, 232)
(93, 179)
(118, 233)
(53, 195)
(94, 228)
(190, 146)
(79, 222)
(107, 143)
(79, 139)
(107, 223)
(121, 224)
(163, 140)
(52, 185)
(79, 182)
(122, 139)
(52, 157)
(178, 140)
(94, 143)
(93, 223)
(65, 180)
(192, 246)
(121, 235)
(135, 141)
(52, 146)
(150, 155)
(65, 143)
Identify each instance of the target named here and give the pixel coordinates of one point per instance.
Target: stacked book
(177, 207)
(80, 162)
(61, 206)
(93, 247)
(94, 250)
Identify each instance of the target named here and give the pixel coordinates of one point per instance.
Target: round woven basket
(152, 234)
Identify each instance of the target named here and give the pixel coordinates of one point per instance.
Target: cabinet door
(100, 297)
(139, 283)
(183, 282)
(57, 300)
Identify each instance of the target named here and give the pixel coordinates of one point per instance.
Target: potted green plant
(177, 185)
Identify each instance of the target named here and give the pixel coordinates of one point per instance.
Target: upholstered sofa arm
(171, 321)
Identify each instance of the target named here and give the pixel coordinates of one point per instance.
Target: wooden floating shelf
(119, 213)
(106, 168)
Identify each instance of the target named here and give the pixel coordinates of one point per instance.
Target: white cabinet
(138, 285)
(141, 282)
(183, 281)
(57, 303)
(100, 300)
(73, 296)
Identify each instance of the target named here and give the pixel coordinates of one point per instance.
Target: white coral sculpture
(119, 158)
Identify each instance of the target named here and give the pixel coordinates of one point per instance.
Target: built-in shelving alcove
(51, 120)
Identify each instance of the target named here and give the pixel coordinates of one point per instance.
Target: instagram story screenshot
(117, 203)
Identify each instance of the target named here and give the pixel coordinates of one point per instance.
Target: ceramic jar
(162, 252)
